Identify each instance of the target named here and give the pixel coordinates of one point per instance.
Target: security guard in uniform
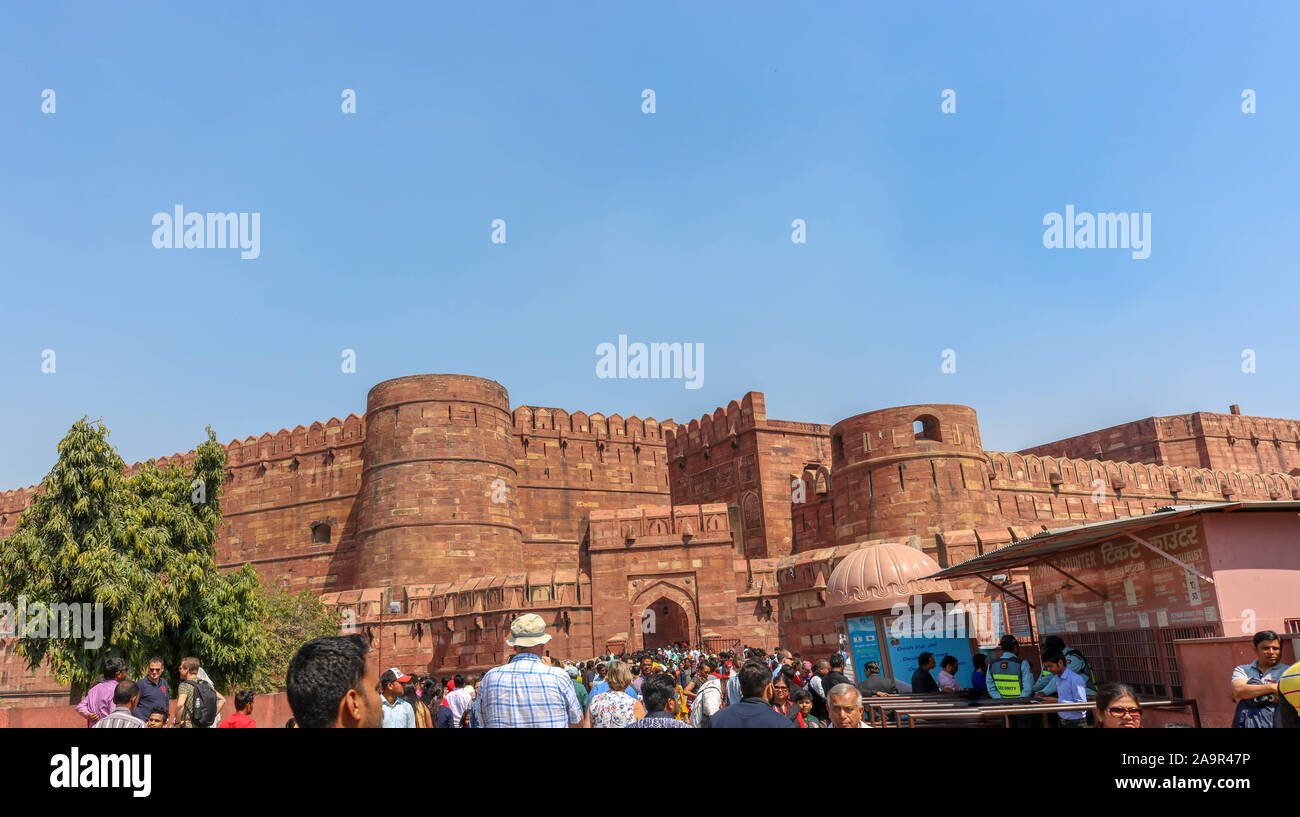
(1010, 677)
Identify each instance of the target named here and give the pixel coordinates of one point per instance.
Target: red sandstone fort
(441, 515)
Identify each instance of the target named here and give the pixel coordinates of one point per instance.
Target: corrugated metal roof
(1063, 540)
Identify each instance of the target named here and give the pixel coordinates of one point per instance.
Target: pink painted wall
(1255, 563)
(268, 711)
(1206, 666)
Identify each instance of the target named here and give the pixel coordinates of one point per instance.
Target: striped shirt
(119, 719)
(526, 693)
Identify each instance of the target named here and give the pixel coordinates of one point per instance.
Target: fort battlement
(1199, 439)
(1178, 484)
(546, 421)
(722, 426)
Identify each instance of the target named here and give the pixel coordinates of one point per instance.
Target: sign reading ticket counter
(866, 590)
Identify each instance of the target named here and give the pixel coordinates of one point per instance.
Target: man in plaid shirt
(529, 691)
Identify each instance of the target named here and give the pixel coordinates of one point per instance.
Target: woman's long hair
(408, 692)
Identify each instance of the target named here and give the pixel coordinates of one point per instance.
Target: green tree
(291, 621)
(142, 546)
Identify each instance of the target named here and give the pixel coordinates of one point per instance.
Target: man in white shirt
(461, 698)
(1071, 688)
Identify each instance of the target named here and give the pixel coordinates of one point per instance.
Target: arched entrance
(662, 613)
(664, 622)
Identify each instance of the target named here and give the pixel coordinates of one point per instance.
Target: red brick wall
(437, 449)
(1230, 442)
(683, 554)
(1060, 491)
(887, 483)
(740, 458)
(569, 465)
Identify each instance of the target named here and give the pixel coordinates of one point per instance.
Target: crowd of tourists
(331, 682)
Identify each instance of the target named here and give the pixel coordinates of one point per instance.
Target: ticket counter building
(1136, 595)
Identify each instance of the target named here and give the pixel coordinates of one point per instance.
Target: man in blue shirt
(153, 690)
(1046, 683)
(397, 712)
(1255, 685)
(1070, 688)
(754, 710)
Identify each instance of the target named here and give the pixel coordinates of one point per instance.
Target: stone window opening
(838, 442)
(926, 427)
(320, 533)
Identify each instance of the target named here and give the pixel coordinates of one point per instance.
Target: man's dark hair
(1055, 656)
(837, 661)
(1009, 643)
(243, 698)
(708, 664)
(1054, 642)
(126, 690)
(159, 710)
(159, 660)
(320, 674)
(1266, 635)
(656, 689)
(949, 661)
(924, 658)
(459, 679)
(112, 666)
(754, 678)
(799, 693)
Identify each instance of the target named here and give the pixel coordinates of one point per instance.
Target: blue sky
(924, 230)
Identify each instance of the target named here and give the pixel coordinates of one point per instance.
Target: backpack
(205, 705)
(1088, 672)
(698, 719)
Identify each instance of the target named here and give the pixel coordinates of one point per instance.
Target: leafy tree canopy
(143, 547)
(291, 621)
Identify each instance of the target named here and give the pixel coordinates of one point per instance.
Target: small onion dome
(883, 571)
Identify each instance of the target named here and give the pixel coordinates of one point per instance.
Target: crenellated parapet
(543, 421)
(1100, 479)
(722, 427)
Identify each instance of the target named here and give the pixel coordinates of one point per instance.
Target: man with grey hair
(846, 707)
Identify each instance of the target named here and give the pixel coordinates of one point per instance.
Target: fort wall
(740, 458)
(1231, 442)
